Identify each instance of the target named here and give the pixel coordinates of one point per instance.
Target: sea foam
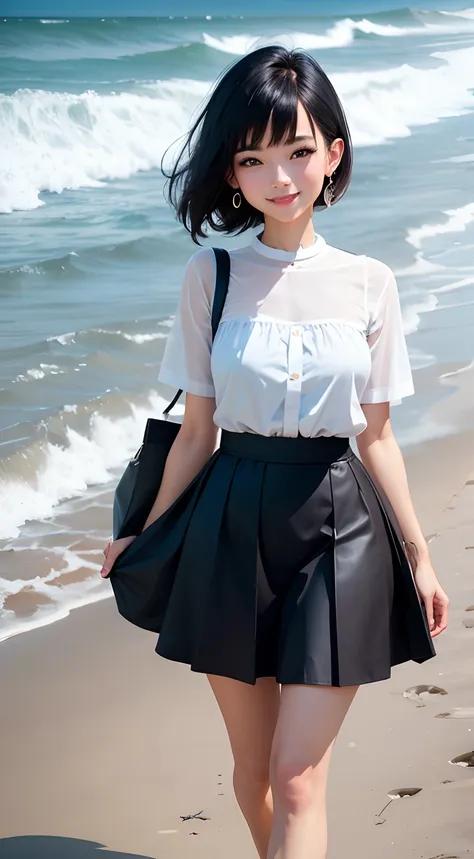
(457, 221)
(464, 13)
(66, 471)
(57, 141)
(60, 600)
(412, 312)
(339, 35)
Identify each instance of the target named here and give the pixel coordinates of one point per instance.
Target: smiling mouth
(283, 201)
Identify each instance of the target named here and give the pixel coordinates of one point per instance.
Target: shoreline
(65, 572)
(106, 744)
(107, 749)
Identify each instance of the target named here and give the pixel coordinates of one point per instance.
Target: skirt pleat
(293, 570)
(229, 640)
(145, 593)
(363, 572)
(184, 633)
(410, 635)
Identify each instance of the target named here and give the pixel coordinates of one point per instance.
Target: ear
(334, 155)
(231, 180)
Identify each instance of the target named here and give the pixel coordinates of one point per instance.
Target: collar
(302, 253)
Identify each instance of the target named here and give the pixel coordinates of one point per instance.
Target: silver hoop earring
(237, 200)
(329, 192)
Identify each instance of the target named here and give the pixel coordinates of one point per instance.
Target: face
(284, 181)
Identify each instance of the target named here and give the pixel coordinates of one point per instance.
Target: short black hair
(266, 83)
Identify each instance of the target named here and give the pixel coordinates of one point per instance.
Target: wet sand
(53, 563)
(106, 746)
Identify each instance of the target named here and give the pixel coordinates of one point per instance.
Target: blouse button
(294, 376)
(296, 332)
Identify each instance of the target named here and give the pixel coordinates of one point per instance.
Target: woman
(293, 586)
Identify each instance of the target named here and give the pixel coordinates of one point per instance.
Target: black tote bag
(138, 487)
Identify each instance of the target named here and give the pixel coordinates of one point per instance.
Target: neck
(289, 237)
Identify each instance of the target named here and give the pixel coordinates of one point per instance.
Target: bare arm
(194, 445)
(383, 459)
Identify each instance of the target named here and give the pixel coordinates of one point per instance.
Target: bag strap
(220, 295)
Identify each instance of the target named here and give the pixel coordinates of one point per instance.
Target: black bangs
(261, 90)
(274, 102)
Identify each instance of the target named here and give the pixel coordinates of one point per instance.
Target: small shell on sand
(457, 713)
(466, 760)
(414, 693)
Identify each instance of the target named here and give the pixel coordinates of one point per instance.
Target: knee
(295, 786)
(251, 777)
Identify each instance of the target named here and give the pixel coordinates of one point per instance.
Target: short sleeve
(391, 378)
(186, 361)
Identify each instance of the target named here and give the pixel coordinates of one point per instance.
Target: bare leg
(308, 723)
(250, 714)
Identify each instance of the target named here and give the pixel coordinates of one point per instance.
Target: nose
(280, 178)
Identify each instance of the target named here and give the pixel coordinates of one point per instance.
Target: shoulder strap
(220, 295)
(222, 285)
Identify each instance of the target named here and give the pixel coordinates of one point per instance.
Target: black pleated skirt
(290, 564)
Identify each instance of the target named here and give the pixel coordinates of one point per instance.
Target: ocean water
(91, 257)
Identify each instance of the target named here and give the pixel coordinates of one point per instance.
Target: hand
(433, 596)
(112, 550)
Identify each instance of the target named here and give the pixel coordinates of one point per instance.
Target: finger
(442, 613)
(113, 550)
(108, 564)
(445, 617)
(428, 601)
(438, 628)
(441, 616)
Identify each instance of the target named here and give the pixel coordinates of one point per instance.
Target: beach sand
(106, 746)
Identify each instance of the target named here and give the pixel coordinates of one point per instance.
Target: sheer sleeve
(391, 377)
(186, 361)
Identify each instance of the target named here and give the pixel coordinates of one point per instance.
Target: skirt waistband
(320, 450)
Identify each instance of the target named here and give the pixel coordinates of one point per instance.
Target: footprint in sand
(396, 793)
(457, 713)
(468, 622)
(462, 784)
(414, 693)
(466, 760)
(446, 856)
(452, 856)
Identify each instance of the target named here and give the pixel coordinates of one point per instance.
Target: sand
(105, 746)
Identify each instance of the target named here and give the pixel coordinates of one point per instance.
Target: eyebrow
(298, 139)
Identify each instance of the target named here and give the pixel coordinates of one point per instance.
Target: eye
(249, 162)
(302, 153)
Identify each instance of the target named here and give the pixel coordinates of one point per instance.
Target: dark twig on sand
(197, 816)
(379, 815)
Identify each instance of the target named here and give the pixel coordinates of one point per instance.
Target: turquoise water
(91, 257)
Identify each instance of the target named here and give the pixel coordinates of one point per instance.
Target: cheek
(251, 182)
(312, 173)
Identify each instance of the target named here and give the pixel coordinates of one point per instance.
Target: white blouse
(305, 338)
